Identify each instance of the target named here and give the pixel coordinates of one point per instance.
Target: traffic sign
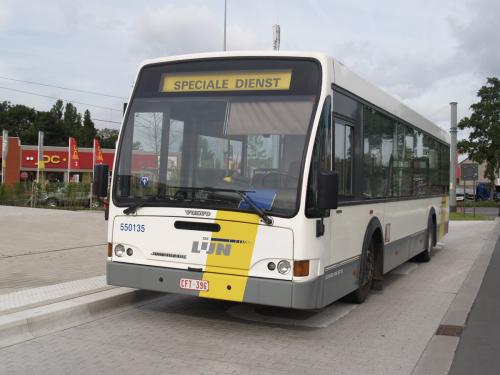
(469, 171)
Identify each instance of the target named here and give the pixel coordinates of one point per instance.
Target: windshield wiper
(133, 208)
(256, 208)
(267, 220)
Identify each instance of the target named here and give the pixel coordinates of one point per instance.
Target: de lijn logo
(216, 246)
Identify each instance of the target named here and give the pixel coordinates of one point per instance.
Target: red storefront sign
(59, 159)
(74, 157)
(99, 159)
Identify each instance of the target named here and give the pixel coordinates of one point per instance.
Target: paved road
(40, 247)
(187, 335)
(479, 348)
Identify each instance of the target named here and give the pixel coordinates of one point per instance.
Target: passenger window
(377, 160)
(343, 156)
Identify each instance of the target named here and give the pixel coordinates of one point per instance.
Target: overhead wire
(60, 98)
(62, 87)
(113, 122)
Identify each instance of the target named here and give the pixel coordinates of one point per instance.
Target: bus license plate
(192, 284)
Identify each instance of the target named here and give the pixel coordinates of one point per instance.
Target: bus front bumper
(283, 293)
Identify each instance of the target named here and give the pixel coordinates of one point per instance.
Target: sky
(426, 53)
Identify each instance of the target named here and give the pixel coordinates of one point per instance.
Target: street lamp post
(225, 12)
(453, 158)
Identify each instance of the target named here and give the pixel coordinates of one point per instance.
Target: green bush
(15, 194)
(72, 195)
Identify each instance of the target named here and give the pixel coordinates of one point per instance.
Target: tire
(359, 295)
(425, 256)
(52, 202)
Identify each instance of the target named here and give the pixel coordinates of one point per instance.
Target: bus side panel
(404, 230)
(348, 225)
(443, 217)
(340, 280)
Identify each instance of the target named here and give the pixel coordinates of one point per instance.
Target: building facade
(22, 163)
(481, 170)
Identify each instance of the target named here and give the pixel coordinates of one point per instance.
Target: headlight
(119, 250)
(284, 267)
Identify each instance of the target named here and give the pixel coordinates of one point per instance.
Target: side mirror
(328, 190)
(100, 183)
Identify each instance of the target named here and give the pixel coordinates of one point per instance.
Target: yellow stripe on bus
(442, 221)
(242, 228)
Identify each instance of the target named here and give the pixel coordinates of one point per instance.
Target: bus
(274, 178)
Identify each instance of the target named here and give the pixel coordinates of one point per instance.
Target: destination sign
(227, 81)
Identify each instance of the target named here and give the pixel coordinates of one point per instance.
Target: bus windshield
(202, 141)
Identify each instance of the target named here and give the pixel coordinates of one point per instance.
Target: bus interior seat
(267, 178)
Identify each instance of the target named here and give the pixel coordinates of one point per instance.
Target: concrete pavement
(186, 335)
(479, 347)
(40, 247)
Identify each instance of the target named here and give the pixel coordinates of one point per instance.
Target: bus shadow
(249, 313)
(204, 308)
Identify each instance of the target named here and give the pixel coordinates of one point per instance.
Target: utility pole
(453, 158)
(5, 152)
(276, 37)
(225, 12)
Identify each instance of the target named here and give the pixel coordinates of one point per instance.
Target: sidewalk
(41, 247)
(479, 347)
(52, 272)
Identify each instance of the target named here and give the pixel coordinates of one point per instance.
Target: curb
(25, 299)
(440, 351)
(29, 324)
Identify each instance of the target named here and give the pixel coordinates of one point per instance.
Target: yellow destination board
(227, 81)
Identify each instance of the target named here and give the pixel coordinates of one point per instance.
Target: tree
(483, 144)
(17, 119)
(257, 154)
(72, 121)
(53, 129)
(57, 110)
(107, 137)
(88, 131)
(59, 123)
(52, 124)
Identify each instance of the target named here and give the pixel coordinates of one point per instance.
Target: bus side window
(321, 159)
(344, 143)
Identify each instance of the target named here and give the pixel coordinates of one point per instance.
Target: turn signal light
(301, 268)
(110, 249)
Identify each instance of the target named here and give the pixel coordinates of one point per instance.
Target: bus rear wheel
(366, 270)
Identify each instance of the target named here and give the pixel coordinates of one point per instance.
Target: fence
(51, 195)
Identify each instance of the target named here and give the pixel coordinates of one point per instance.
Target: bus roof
(342, 77)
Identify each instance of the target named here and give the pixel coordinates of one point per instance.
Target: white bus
(274, 178)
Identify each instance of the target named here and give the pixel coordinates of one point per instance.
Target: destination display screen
(226, 81)
(242, 77)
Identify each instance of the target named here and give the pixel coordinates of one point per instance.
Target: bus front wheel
(366, 270)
